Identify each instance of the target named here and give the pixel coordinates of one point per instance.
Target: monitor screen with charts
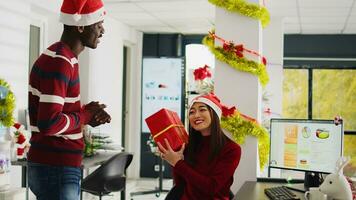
(305, 145)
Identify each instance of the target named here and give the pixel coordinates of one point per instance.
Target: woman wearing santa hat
(203, 169)
(56, 114)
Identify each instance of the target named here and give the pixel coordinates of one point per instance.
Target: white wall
(104, 65)
(14, 47)
(133, 101)
(101, 80)
(273, 38)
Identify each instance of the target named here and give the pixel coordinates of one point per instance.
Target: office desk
(252, 190)
(88, 162)
(99, 158)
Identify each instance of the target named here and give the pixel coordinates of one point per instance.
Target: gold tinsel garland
(248, 9)
(7, 106)
(239, 63)
(240, 128)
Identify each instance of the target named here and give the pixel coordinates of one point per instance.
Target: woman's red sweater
(208, 180)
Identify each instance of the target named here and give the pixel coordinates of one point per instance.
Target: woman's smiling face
(200, 118)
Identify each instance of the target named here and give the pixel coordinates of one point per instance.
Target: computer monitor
(312, 146)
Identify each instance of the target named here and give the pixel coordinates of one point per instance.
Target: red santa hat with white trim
(82, 12)
(211, 100)
(214, 103)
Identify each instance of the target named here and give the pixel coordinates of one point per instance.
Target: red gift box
(165, 124)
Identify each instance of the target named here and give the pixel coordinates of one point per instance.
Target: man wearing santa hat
(56, 114)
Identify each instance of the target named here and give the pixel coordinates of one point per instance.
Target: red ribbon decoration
(238, 49)
(228, 112)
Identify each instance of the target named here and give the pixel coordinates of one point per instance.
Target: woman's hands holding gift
(169, 155)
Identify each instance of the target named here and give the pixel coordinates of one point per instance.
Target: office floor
(143, 184)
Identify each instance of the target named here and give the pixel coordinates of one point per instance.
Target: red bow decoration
(17, 126)
(237, 49)
(227, 112)
(267, 111)
(20, 139)
(202, 73)
(20, 136)
(228, 46)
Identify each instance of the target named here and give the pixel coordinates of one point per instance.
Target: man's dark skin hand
(94, 106)
(99, 115)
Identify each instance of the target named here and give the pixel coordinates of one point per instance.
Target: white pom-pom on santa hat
(82, 12)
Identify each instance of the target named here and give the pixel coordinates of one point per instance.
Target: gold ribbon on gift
(166, 129)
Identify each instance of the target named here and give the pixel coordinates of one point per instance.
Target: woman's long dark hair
(217, 139)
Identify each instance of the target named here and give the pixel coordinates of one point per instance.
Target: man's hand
(100, 117)
(94, 107)
(98, 114)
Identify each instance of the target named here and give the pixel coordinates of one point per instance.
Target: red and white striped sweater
(54, 108)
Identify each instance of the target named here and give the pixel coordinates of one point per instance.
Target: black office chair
(231, 195)
(109, 177)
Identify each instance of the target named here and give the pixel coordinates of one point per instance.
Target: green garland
(7, 106)
(236, 62)
(240, 128)
(248, 9)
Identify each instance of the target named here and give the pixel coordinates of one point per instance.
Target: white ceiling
(197, 16)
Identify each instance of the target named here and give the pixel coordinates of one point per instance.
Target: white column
(240, 88)
(273, 50)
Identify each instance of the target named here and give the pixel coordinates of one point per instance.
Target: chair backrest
(113, 167)
(231, 195)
